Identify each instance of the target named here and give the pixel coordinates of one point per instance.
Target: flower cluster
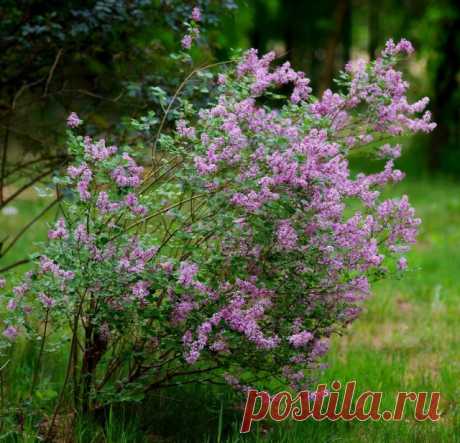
(73, 121)
(193, 29)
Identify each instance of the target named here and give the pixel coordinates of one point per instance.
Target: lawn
(406, 340)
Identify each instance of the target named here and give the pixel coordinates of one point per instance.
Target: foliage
(32, 32)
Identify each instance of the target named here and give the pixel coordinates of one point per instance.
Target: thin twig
(176, 94)
(28, 225)
(26, 186)
(13, 265)
(69, 366)
(22, 89)
(92, 94)
(40, 354)
(21, 166)
(161, 211)
(51, 73)
(3, 166)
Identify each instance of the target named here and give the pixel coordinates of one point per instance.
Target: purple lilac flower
(81, 234)
(104, 204)
(10, 332)
(301, 339)
(286, 235)
(196, 14)
(140, 290)
(98, 151)
(128, 175)
(184, 130)
(132, 203)
(402, 264)
(21, 289)
(387, 151)
(320, 348)
(85, 175)
(73, 121)
(47, 265)
(187, 272)
(186, 41)
(182, 309)
(47, 302)
(403, 47)
(12, 304)
(59, 231)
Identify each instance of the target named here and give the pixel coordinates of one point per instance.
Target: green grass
(407, 339)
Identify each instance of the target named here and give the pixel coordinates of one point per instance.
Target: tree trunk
(446, 104)
(373, 27)
(347, 34)
(95, 346)
(329, 66)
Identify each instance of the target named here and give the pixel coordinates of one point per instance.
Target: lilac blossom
(12, 304)
(128, 175)
(301, 339)
(21, 289)
(132, 203)
(98, 151)
(402, 264)
(140, 290)
(47, 302)
(104, 204)
(196, 14)
(184, 130)
(286, 235)
(73, 121)
(59, 232)
(81, 234)
(10, 333)
(187, 273)
(186, 41)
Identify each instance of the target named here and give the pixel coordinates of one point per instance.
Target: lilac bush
(235, 257)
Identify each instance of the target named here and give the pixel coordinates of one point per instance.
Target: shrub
(241, 252)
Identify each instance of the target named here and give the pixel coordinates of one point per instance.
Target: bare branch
(51, 73)
(3, 165)
(26, 186)
(13, 265)
(28, 225)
